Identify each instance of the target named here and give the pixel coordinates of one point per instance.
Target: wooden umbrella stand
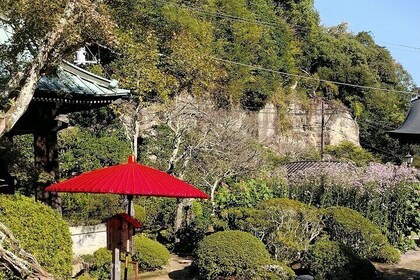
(120, 230)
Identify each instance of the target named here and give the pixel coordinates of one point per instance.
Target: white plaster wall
(88, 239)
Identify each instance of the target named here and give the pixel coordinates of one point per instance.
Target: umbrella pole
(130, 201)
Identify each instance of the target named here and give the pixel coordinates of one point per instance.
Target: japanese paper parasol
(129, 179)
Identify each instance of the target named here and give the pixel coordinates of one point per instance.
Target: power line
(307, 77)
(400, 45)
(300, 28)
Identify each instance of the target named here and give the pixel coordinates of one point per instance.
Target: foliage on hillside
(204, 48)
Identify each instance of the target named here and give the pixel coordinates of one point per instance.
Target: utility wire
(306, 77)
(300, 28)
(400, 45)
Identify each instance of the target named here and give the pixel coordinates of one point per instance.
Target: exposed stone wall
(88, 239)
(304, 131)
(302, 134)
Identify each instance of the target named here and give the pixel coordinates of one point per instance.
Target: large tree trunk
(33, 73)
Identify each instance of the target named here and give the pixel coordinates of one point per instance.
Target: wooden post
(116, 265)
(46, 156)
(322, 127)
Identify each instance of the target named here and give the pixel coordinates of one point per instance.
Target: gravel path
(177, 269)
(407, 269)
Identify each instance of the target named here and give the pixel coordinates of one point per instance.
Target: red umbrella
(130, 179)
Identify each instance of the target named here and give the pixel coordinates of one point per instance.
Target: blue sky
(391, 22)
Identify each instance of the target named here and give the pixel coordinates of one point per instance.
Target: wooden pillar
(46, 157)
(7, 182)
(116, 264)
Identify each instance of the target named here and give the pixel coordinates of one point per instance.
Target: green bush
(330, 260)
(41, 232)
(389, 254)
(81, 209)
(243, 194)
(140, 213)
(149, 253)
(347, 150)
(99, 264)
(350, 228)
(286, 226)
(275, 270)
(237, 254)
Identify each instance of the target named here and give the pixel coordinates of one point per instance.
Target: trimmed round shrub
(330, 260)
(41, 232)
(149, 253)
(99, 263)
(238, 254)
(350, 228)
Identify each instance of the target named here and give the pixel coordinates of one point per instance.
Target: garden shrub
(140, 213)
(347, 150)
(286, 226)
(350, 228)
(330, 260)
(41, 232)
(149, 253)
(237, 254)
(389, 254)
(294, 226)
(275, 270)
(80, 209)
(99, 263)
(243, 194)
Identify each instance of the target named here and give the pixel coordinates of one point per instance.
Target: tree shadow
(183, 274)
(399, 274)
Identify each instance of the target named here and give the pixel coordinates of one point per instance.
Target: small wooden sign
(120, 229)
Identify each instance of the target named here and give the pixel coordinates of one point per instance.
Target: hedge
(41, 232)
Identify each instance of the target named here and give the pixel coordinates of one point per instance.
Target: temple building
(69, 89)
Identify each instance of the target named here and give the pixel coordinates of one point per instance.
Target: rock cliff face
(305, 127)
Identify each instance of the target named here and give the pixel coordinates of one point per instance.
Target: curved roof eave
(73, 80)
